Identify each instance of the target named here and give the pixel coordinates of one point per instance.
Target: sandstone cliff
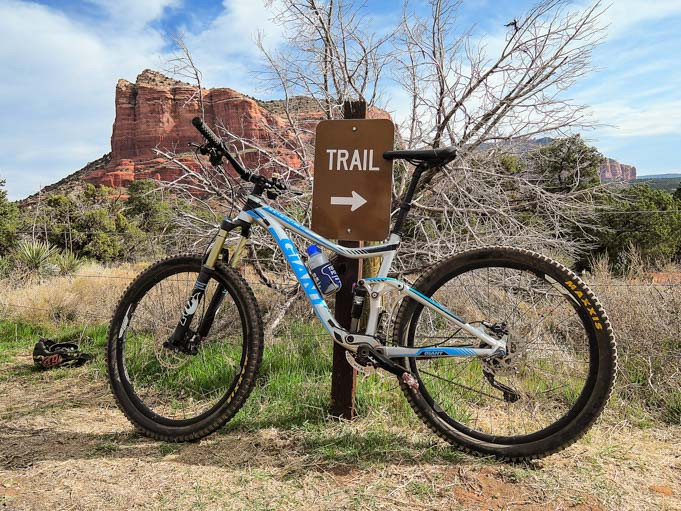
(612, 170)
(156, 111)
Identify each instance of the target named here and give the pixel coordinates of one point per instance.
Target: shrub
(34, 257)
(9, 221)
(67, 262)
(648, 219)
(5, 267)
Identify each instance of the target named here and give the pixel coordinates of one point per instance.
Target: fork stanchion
(343, 376)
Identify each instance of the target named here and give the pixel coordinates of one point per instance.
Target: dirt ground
(64, 445)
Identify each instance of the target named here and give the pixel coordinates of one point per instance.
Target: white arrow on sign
(355, 202)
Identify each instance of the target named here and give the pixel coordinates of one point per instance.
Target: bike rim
(177, 389)
(553, 369)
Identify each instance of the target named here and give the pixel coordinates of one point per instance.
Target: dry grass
(646, 318)
(66, 446)
(88, 296)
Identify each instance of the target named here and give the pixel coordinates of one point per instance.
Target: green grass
(16, 338)
(345, 445)
(293, 386)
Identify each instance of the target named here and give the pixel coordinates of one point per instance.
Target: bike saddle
(433, 156)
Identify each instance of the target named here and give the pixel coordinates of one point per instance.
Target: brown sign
(352, 181)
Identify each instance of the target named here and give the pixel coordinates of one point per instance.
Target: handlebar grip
(207, 132)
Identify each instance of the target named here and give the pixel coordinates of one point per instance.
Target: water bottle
(323, 272)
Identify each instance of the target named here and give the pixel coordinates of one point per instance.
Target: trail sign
(352, 181)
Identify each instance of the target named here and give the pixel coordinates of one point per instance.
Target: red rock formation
(612, 170)
(156, 112)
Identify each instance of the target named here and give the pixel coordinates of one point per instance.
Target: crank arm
(389, 365)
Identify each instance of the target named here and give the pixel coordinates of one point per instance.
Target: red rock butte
(156, 112)
(612, 170)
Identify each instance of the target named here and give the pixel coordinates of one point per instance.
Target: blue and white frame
(277, 223)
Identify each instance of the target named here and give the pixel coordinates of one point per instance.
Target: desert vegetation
(66, 258)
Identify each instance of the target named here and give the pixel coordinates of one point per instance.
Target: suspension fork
(221, 291)
(180, 340)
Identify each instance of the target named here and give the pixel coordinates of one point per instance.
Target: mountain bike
(500, 351)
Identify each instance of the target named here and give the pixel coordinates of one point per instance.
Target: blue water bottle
(323, 272)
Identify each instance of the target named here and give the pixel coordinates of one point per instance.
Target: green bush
(5, 267)
(9, 221)
(34, 257)
(647, 219)
(67, 262)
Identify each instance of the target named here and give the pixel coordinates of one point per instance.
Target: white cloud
(59, 75)
(622, 15)
(135, 13)
(225, 51)
(627, 120)
(56, 91)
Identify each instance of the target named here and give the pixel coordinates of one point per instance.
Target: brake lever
(204, 149)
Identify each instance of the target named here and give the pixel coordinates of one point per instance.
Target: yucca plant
(67, 262)
(34, 257)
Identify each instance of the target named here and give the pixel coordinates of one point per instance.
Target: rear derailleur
(501, 362)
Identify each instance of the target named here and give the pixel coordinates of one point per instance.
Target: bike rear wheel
(175, 396)
(560, 366)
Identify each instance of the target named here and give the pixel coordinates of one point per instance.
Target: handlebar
(217, 144)
(262, 183)
(206, 132)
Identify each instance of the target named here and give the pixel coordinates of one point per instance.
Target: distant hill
(670, 175)
(669, 182)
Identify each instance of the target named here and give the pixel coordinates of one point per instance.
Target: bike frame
(277, 224)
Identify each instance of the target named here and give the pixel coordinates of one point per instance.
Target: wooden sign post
(351, 202)
(344, 376)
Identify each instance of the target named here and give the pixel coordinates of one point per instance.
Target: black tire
(177, 397)
(454, 421)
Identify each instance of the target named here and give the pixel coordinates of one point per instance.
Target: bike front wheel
(560, 365)
(177, 396)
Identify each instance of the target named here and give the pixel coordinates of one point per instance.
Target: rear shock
(358, 296)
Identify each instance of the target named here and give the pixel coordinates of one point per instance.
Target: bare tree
(330, 54)
(181, 64)
(487, 98)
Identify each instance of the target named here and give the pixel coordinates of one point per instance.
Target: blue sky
(60, 61)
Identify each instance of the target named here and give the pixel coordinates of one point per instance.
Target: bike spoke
(548, 352)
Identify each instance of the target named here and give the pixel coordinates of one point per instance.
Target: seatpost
(405, 205)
